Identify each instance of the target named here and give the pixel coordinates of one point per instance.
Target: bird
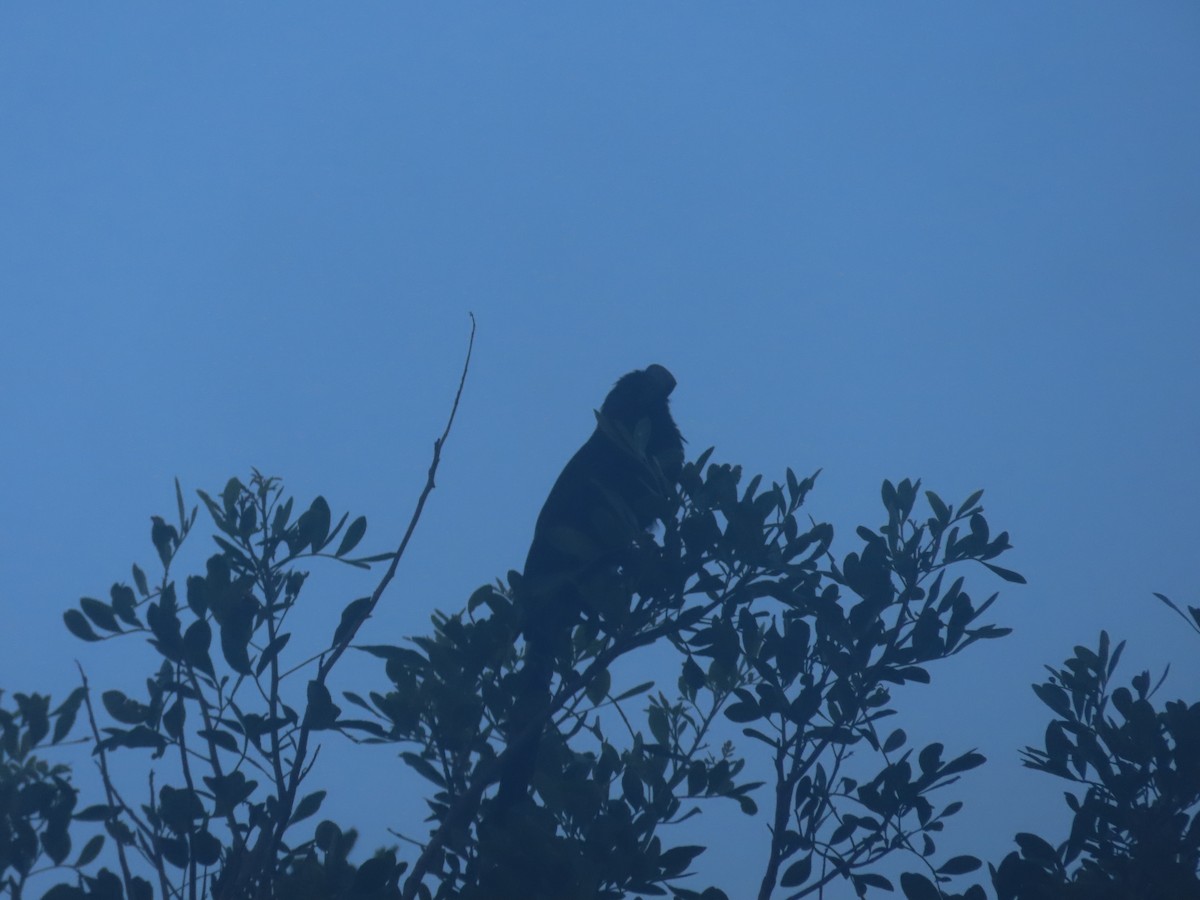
(614, 487)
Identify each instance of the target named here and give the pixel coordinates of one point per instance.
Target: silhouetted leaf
(1007, 574)
(78, 625)
(959, 865)
(598, 687)
(229, 791)
(307, 806)
(220, 738)
(313, 524)
(797, 873)
(352, 617)
(206, 849)
(424, 768)
(918, 887)
(173, 719)
(634, 691)
(353, 535)
(100, 613)
(124, 604)
(139, 580)
(124, 709)
(895, 741)
(272, 650)
(90, 850)
(322, 712)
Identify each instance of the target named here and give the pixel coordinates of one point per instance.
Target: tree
(752, 605)
(763, 626)
(1136, 827)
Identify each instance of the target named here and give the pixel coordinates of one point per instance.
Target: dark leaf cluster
(1136, 813)
(237, 723)
(770, 632)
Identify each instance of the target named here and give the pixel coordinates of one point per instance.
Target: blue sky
(949, 241)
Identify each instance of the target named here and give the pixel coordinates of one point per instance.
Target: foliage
(224, 707)
(784, 659)
(37, 798)
(1136, 827)
(771, 633)
(767, 630)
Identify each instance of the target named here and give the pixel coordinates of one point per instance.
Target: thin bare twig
(270, 840)
(336, 652)
(114, 801)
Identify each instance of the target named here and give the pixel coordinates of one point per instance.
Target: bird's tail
(528, 719)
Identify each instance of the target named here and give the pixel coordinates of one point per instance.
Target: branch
(335, 654)
(271, 839)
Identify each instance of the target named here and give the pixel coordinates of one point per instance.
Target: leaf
(164, 537)
(307, 806)
(930, 758)
(634, 691)
(179, 504)
(969, 504)
(353, 535)
(322, 712)
(100, 613)
(219, 738)
(313, 524)
(692, 677)
(90, 850)
(373, 875)
(164, 625)
(674, 861)
(599, 686)
(760, 736)
(237, 627)
(1054, 697)
(424, 768)
(918, 887)
(273, 649)
(179, 808)
(326, 834)
(870, 879)
(124, 604)
(173, 719)
(206, 849)
(742, 712)
(959, 865)
(139, 579)
(96, 813)
(940, 511)
(229, 791)
(657, 719)
(797, 873)
(196, 641)
(1036, 848)
(124, 709)
(66, 713)
(890, 500)
(57, 842)
(895, 740)
(353, 616)
(1007, 574)
(78, 625)
(631, 787)
(966, 762)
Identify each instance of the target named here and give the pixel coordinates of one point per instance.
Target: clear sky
(952, 241)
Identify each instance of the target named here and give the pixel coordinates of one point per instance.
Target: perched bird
(614, 487)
